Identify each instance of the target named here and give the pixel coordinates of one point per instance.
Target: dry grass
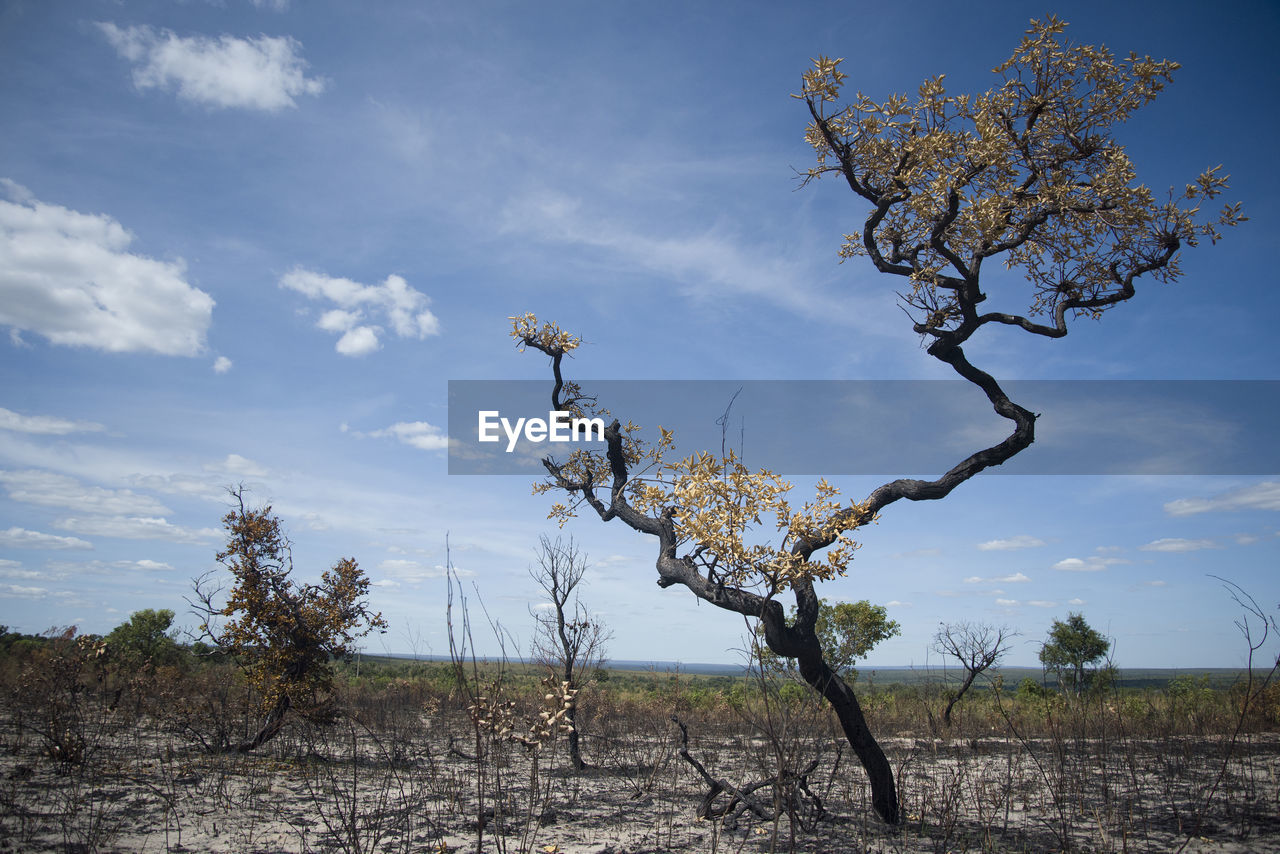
(94, 760)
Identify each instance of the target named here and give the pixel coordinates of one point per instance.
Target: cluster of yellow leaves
(500, 719)
(525, 329)
(718, 504)
(963, 177)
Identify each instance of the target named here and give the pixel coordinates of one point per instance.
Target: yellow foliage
(716, 504)
(285, 633)
(1028, 170)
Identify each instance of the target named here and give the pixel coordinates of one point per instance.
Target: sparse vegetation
(97, 757)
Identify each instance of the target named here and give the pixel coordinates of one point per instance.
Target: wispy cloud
(135, 528)
(19, 591)
(1022, 541)
(1089, 564)
(1260, 496)
(71, 569)
(46, 425)
(418, 434)
(237, 466)
(68, 277)
(710, 264)
(412, 571)
(1178, 544)
(393, 302)
(56, 490)
(21, 538)
(262, 73)
(1015, 578)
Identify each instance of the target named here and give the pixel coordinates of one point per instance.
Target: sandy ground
(420, 789)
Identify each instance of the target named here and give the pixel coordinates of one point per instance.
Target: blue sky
(251, 242)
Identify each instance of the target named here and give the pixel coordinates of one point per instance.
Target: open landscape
(573, 339)
(440, 756)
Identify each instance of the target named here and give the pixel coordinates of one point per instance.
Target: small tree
(847, 631)
(566, 639)
(977, 646)
(144, 640)
(1071, 647)
(283, 634)
(1027, 176)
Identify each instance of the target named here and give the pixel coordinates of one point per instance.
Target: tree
(144, 639)
(283, 633)
(566, 639)
(1071, 647)
(977, 646)
(1027, 174)
(847, 632)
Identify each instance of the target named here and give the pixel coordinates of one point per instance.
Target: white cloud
(21, 538)
(57, 490)
(46, 425)
(1260, 496)
(135, 528)
(1178, 544)
(359, 341)
(1042, 603)
(711, 265)
(338, 320)
(1008, 603)
(238, 466)
(221, 365)
(16, 591)
(405, 309)
(182, 484)
(1076, 601)
(68, 277)
(262, 73)
(1022, 541)
(419, 434)
(1090, 564)
(1015, 578)
(894, 603)
(273, 5)
(66, 570)
(412, 571)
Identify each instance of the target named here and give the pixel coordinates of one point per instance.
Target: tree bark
(270, 727)
(970, 675)
(575, 750)
(824, 680)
